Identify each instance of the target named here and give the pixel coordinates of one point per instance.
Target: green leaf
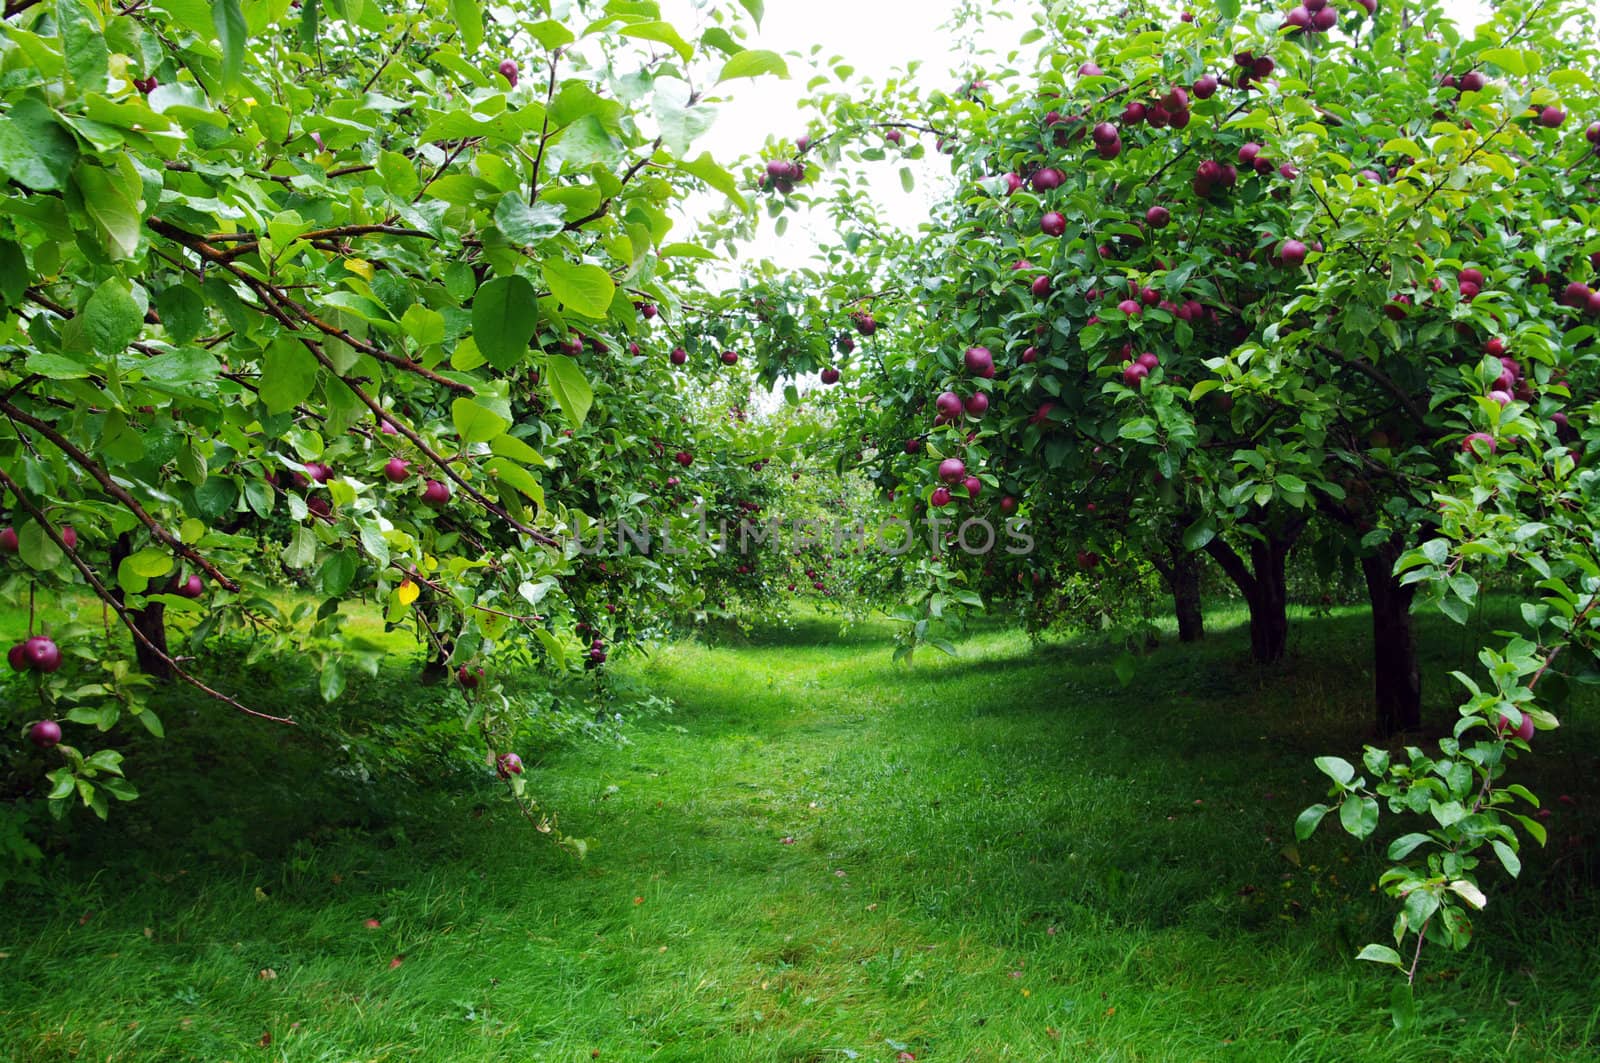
(13, 273)
(182, 312)
(1404, 846)
(151, 722)
(523, 224)
(337, 572)
(1198, 534)
(508, 472)
(310, 22)
(35, 151)
(908, 180)
(38, 550)
(83, 45)
(232, 32)
(753, 63)
(467, 17)
(680, 120)
(107, 199)
(570, 387)
(661, 33)
(136, 571)
(552, 646)
(1336, 768)
(584, 289)
(288, 375)
(505, 314)
(1359, 816)
(757, 9)
(511, 447)
(1508, 858)
(332, 680)
(1306, 823)
(302, 549)
(706, 168)
(1508, 59)
(1381, 954)
(475, 423)
(1403, 1006)
(112, 318)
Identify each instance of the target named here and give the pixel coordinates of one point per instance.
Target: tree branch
(122, 613)
(116, 491)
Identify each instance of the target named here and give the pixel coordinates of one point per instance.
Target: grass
(819, 856)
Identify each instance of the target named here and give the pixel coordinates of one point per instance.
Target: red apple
(193, 587)
(45, 734)
(1551, 117)
(42, 654)
(1008, 505)
(1134, 375)
(949, 405)
(977, 404)
(398, 470)
(1478, 443)
(508, 764)
(830, 375)
(435, 493)
(1293, 253)
(939, 499)
(678, 356)
(1053, 224)
(979, 361)
(8, 541)
(729, 357)
(973, 486)
(1158, 217)
(684, 458)
(508, 70)
(952, 470)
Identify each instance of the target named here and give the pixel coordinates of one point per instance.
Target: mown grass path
(824, 856)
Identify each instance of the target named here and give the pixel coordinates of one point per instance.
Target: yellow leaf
(408, 592)
(360, 267)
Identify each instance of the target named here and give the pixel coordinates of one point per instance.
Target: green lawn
(819, 856)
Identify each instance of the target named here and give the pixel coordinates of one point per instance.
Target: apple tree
(1259, 269)
(307, 304)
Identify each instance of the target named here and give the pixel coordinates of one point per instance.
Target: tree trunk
(1397, 680)
(437, 667)
(1264, 584)
(150, 620)
(1185, 584)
